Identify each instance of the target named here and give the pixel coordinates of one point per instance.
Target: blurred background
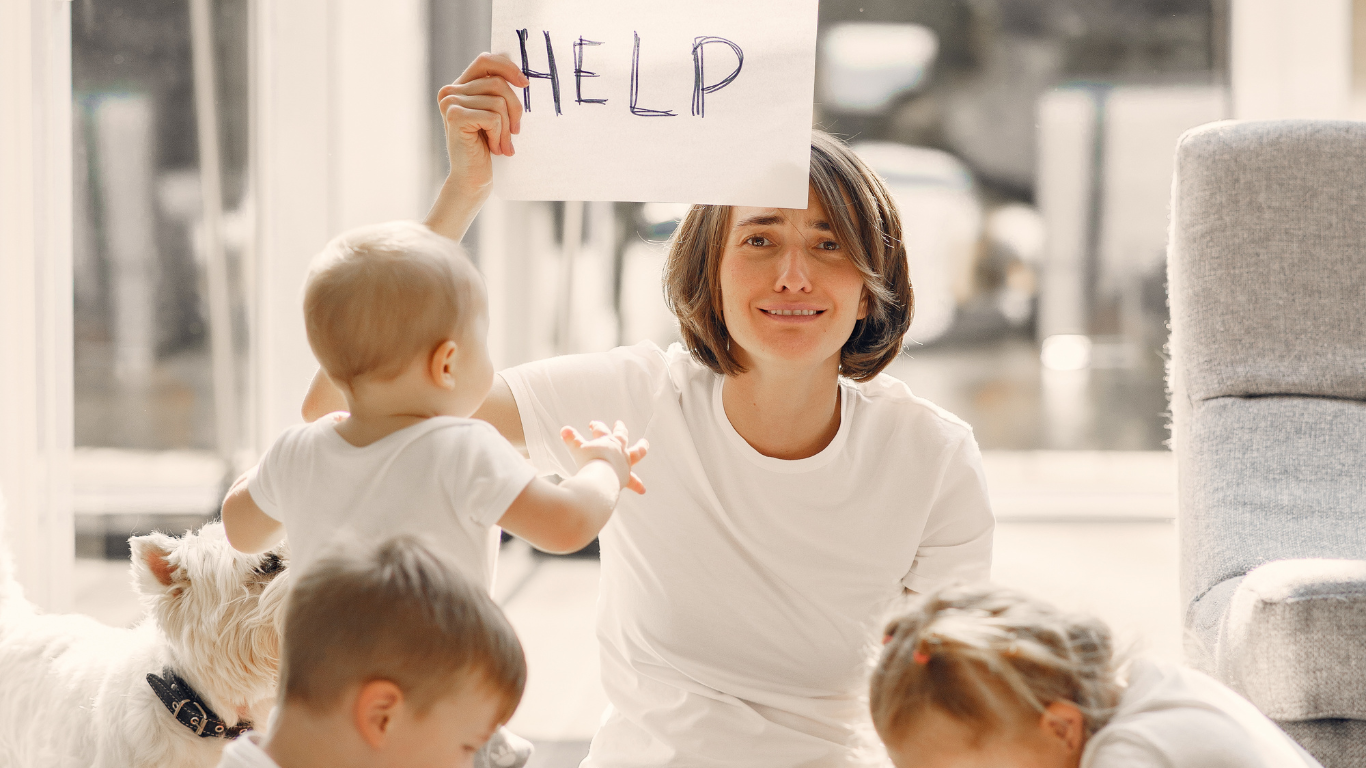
(219, 143)
(1027, 143)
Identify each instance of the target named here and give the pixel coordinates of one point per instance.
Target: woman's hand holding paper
(481, 112)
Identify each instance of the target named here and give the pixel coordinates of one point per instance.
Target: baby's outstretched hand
(612, 446)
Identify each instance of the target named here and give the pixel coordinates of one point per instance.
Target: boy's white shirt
(741, 597)
(1175, 717)
(446, 478)
(246, 752)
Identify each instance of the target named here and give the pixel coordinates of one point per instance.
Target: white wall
(1291, 59)
(36, 294)
(341, 137)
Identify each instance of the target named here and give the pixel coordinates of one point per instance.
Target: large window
(1028, 144)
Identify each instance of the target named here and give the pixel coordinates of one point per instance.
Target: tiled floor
(1087, 531)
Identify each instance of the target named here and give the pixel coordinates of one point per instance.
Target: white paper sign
(689, 101)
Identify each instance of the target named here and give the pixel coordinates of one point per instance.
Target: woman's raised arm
(500, 410)
(480, 112)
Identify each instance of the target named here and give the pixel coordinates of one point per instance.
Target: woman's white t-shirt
(741, 595)
(1174, 717)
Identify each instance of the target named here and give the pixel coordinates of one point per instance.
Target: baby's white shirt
(445, 478)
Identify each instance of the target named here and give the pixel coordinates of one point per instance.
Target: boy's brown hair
(863, 219)
(378, 296)
(398, 612)
(988, 657)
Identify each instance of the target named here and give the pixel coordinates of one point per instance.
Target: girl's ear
(441, 367)
(1063, 724)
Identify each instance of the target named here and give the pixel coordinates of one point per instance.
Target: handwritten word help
(685, 101)
(700, 90)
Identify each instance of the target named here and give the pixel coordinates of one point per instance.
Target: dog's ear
(151, 563)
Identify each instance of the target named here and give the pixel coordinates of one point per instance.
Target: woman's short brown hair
(863, 219)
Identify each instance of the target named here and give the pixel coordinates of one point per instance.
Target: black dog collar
(190, 710)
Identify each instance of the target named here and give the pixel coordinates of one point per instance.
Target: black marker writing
(580, 73)
(635, 87)
(553, 75)
(700, 89)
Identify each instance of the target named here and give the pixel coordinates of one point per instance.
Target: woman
(793, 490)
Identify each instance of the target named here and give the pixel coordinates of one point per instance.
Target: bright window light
(1066, 352)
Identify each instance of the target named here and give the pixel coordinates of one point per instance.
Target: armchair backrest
(1267, 280)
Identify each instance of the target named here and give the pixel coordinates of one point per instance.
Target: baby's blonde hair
(378, 296)
(988, 656)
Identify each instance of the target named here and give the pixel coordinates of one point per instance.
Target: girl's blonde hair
(988, 657)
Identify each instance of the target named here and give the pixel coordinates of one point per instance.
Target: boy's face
(448, 734)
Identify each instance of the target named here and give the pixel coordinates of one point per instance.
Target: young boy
(390, 658)
(397, 317)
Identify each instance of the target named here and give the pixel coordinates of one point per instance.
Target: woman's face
(790, 296)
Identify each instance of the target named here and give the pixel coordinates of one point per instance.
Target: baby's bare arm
(248, 528)
(566, 517)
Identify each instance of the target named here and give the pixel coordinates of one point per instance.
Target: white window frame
(1291, 59)
(340, 136)
(36, 431)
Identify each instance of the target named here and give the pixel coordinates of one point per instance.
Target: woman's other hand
(480, 112)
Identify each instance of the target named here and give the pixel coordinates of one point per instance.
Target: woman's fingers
(490, 64)
(635, 484)
(493, 104)
(487, 86)
(497, 87)
(464, 120)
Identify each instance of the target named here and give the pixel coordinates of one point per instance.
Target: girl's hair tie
(921, 657)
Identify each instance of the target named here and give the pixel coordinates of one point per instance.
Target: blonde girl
(983, 677)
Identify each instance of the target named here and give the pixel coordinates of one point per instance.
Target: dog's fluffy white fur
(75, 693)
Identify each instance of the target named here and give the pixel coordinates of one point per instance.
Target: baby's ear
(441, 366)
(152, 566)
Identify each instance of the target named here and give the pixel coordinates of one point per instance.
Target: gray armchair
(1267, 272)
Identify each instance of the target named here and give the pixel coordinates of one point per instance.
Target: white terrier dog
(168, 693)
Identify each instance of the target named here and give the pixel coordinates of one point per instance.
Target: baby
(390, 658)
(397, 318)
(981, 676)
